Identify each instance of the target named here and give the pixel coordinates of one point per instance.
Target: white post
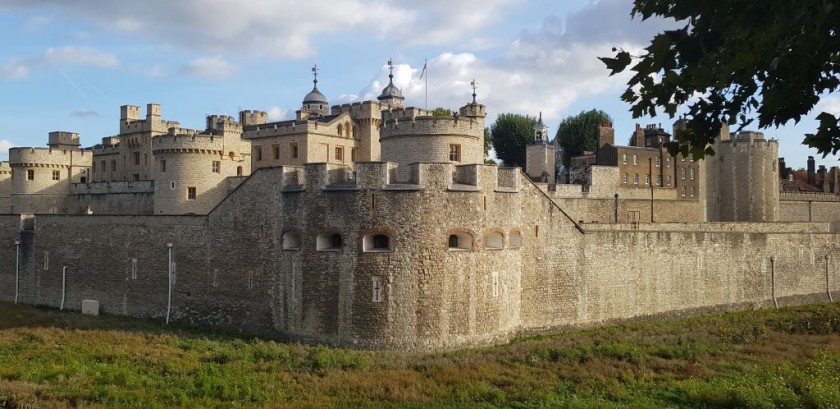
(17, 270)
(169, 274)
(773, 280)
(827, 280)
(63, 286)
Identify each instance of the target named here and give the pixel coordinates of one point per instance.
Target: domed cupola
(391, 95)
(315, 103)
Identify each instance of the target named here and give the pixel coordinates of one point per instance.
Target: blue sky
(69, 64)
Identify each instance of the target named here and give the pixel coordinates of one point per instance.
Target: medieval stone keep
(375, 225)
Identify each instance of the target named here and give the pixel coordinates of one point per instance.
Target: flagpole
(426, 65)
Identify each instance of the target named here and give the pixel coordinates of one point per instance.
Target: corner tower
(391, 95)
(314, 103)
(540, 155)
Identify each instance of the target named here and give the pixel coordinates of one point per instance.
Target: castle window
(352, 154)
(683, 158)
(328, 241)
(145, 158)
(113, 165)
(347, 129)
(658, 161)
(30, 174)
(172, 185)
(102, 166)
(667, 162)
(136, 158)
(163, 166)
(624, 179)
(460, 240)
(339, 153)
(691, 191)
(294, 148)
(275, 149)
(624, 158)
(377, 242)
(191, 193)
(291, 240)
(515, 239)
(455, 152)
(258, 152)
(340, 130)
(239, 171)
(56, 175)
(691, 173)
(494, 240)
(658, 180)
(668, 178)
(682, 192)
(636, 179)
(217, 166)
(682, 173)
(377, 290)
(647, 179)
(93, 167)
(635, 159)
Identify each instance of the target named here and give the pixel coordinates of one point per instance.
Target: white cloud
(84, 113)
(283, 28)
(5, 144)
(209, 67)
(36, 23)
(79, 56)
(59, 57)
(277, 114)
(157, 71)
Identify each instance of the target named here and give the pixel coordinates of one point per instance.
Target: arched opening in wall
(459, 240)
(239, 171)
(231, 155)
(515, 239)
(494, 240)
(377, 242)
(347, 129)
(329, 241)
(340, 130)
(291, 240)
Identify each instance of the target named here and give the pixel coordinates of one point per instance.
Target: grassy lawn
(788, 357)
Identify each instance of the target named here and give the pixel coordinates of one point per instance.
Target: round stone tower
(743, 182)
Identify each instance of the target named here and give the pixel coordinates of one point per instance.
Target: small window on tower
(30, 174)
(217, 166)
(294, 148)
(339, 153)
(258, 152)
(163, 166)
(56, 175)
(136, 158)
(276, 150)
(191, 193)
(455, 152)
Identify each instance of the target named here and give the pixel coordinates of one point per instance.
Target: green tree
(488, 142)
(735, 62)
(510, 134)
(578, 133)
(440, 111)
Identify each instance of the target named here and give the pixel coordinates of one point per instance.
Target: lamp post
(650, 180)
(17, 270)
(169, 275)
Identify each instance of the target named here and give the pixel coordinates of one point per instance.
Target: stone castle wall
(5, 187)
(805, 206)
(258, 264)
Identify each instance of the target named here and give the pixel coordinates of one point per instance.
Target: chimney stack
(811, 171)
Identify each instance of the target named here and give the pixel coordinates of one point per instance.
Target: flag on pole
(422, 73)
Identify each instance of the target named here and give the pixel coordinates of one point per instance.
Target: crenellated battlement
(252, 117)
(749, 138)
(5, 169)
(281, 128)
(101, 188)
(188, 140)
(30, 156)
(372, 176)
(410, 125)
(364, 109)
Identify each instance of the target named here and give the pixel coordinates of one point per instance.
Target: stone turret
(391, 95)
(314, 103)
(540, 155)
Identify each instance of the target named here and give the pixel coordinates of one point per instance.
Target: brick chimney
(821, 178)
(783, 169)
(811, 171)
(639, 136)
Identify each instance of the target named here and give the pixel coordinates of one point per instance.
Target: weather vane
(472, 83)
(315, 72)
(390, 68)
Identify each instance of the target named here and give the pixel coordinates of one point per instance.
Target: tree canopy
(441, 111)
(735, 62)
(510, 134)
(579, 133)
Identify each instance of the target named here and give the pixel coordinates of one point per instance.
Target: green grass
(788, 357)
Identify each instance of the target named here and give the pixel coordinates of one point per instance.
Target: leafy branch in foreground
(735, 62)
